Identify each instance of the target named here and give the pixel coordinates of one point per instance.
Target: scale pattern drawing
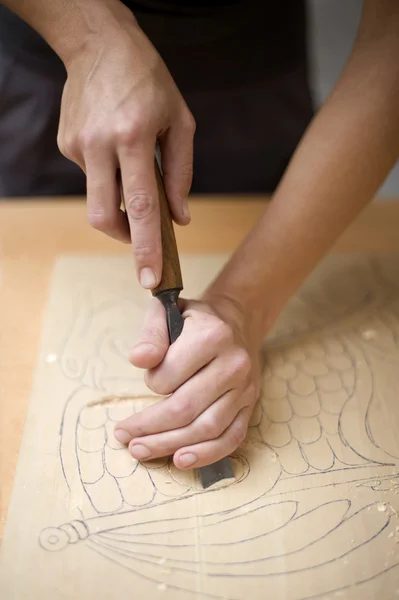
(318, 425)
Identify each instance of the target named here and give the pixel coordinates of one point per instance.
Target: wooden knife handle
(171, 273)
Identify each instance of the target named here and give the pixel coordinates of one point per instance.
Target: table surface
(34, 233)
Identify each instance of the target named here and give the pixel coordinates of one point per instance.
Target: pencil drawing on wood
(316, 480)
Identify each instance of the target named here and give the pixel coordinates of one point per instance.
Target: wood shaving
(369, 334)
(51, 358)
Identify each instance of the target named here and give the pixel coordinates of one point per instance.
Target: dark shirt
(179, 6)
(242, 68)
(217, 44)
(24, 41)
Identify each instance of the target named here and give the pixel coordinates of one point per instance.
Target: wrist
(86, 28)
(251, 318)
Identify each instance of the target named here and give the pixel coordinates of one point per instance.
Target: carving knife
(168, 292)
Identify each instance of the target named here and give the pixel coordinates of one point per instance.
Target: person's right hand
(118, 101)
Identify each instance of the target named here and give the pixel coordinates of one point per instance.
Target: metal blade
(174, 317)
(175, 321)
(216, 472)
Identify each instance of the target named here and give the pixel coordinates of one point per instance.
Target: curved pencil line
(233, 574)
(61, 430)
(155, 581)
(219, 522)
(343, 518)
(327, 562)
(340, 432)
(326, 485)
(351, 585)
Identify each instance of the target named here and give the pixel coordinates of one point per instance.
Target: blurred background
(333, 25)
(30, 96)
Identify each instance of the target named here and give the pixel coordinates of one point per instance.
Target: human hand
(210, 376)
(118, 101)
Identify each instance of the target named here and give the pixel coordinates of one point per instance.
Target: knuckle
(101, 220)
(181, 413)
(252, 392)
(143, 249)
(209, 428)
(238, 433)
(61, 144)
(67, 145)
(189, 122)
(156, 384)
(241, 363)
(90, 138)
(139, 205)
(219, 333)
(127, 130)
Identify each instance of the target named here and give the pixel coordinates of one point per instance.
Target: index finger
(140, 194)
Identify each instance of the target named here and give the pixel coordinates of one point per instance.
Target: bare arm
(211, 374)
(68, 25)
(345, 156)
(119, 101)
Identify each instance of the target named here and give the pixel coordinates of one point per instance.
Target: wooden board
(313, 512)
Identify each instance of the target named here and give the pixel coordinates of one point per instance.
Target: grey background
(333, 25)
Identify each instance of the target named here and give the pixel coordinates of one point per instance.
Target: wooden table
(33, 234)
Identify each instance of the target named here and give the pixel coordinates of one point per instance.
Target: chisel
(167, 292)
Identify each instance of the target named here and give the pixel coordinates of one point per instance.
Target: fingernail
(188, 459)
(139, 451)
(186, 212)
(122, 436)
(147, 278)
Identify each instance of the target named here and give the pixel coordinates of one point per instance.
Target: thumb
(153, 342)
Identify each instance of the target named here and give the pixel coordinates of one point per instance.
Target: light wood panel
(34, 233)
(314, 507)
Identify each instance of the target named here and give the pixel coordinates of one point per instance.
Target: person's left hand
(210, 376)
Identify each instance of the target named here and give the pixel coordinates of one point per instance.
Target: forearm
(70, 25)
(343, 159)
